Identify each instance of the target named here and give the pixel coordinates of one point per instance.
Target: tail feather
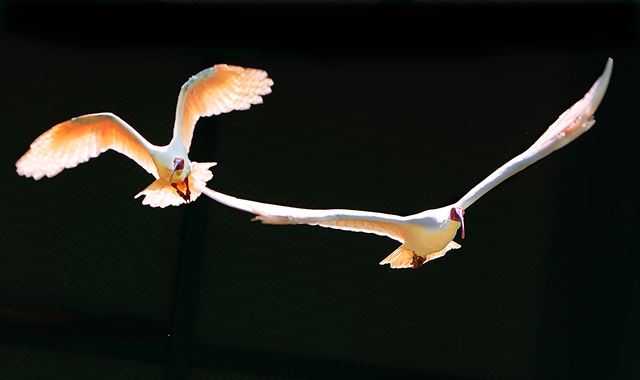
(400, 258)
(407, 258)
(160, 193)
(452, 245)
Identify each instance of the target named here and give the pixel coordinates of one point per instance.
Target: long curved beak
(460, 214)
(178, 164)
(172, 172)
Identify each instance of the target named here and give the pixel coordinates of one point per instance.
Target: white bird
(218, 89)
(429, 234)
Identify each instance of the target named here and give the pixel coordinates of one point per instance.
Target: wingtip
(599, 88)
(608, 68)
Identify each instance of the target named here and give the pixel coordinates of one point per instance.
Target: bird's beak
(178, 164)
(172, 172)
(460, 214)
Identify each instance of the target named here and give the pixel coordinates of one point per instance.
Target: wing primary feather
(570, 125)
(216, 90)
(70, 143)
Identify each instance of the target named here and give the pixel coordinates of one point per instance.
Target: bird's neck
(163, 157)
(177, 146)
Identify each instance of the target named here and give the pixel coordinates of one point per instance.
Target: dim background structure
(95, 285)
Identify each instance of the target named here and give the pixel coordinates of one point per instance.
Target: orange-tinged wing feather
(216, 90)
(77, 140)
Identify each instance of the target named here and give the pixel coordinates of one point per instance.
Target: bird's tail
(400, 258)
(161, 193)
(404, 257)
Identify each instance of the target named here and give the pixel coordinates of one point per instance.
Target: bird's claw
(417, 261)
(184, 195)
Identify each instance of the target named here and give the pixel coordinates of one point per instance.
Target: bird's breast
(164, 165)
(431, 238)
(164, 173)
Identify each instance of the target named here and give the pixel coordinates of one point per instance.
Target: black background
(395, 108)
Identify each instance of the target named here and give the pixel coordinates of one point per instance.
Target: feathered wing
(77, 140)
(161, 194)
(216, 90)
(392, 226)
(570, 125)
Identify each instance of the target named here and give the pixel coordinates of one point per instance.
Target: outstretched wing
(77, 140)
(392, 226)
(216, 90)
(570, 125)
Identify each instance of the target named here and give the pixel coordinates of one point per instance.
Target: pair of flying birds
(223, 88)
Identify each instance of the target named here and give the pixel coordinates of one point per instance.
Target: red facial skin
(178, 164)
(457, 214)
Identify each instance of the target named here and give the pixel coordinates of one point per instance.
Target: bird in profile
(218, 89)
(429, 234)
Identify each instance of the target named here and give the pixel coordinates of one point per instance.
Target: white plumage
(216, 90)
(429, 234)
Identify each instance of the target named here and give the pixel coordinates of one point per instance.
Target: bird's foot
(186, 195)
(417, 261)
(180, 193)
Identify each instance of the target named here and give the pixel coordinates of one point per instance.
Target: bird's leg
(188, 194)
(417, 261)
(180, 193)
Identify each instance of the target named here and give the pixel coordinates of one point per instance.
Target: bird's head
(457, 214)
(181, 170)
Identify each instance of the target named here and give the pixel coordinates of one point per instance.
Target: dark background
(394, 108)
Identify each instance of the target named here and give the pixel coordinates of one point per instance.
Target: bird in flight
(429, 234)
(218, 89)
